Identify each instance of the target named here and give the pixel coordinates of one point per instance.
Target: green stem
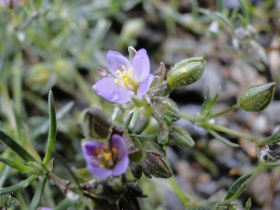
(181, 195)
(205, 124)
(234, 107)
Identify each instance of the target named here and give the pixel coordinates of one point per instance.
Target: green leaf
(20, 186)
(225, 20)
(237, 188)
(222, 139)
(16, 147)
(148, 137)
(38, 194)
(135, 119)
(245, 12)
(248, 204)
(201, 208)
(52, 129)
(63, 204)
(273, 139)
(208, 102)
(13, 164)
(269, 165)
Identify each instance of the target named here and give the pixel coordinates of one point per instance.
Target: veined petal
(102, 173)
(115, 61)
(121, 166)
(119, 143)
(144, 87)
(141, 66)
(111, 91)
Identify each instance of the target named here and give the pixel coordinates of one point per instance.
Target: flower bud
(136, 171)
(157, 165)
(128, 203)
(257, 97)
(97, 125)
(186, 72)
(180, 137)
(133, 190)
(167, 109)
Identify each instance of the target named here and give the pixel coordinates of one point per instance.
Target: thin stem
(234, 107)
(205, 124)
(61, 183)
(181, 195)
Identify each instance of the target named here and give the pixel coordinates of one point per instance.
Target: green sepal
(221, 139)
(17, 187)
(248, 204)
(38, 194)
(237, 188)
(13, 164)
(16, 147)
(180, 137)
(52, 129)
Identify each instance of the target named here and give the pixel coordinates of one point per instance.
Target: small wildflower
(106, 160)
(129, 78)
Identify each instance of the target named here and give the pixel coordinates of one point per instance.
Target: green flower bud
(180, 137)
(257, 97)
(97, 125)
(186, 72)
(157, 165)
(167, 109)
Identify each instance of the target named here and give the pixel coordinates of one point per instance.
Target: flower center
(106, 157)
(125, 79)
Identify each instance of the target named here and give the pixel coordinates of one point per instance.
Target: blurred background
(59, 44)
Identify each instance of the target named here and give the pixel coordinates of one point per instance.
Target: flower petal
(141, 65)
(115, 60)
(119, 143)
(102, 173)
(111, 91)
(121, 166)
(89, 148)
(144, 87)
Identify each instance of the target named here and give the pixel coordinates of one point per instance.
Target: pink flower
(129, 78)
(106, 160)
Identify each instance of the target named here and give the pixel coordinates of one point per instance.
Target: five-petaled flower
(106, 160)
(129, 78)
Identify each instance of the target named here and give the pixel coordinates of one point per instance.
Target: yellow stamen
(130, 71)
(123, 67)
(97, 150)
(114, 151)
(118, 72)
(107, 156)
(105, 148)
(117, 81)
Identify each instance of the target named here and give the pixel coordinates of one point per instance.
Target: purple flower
(130, 78)
(106, 160)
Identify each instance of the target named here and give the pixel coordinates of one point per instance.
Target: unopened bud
(97, 125)
(129, 203)
(157, 165)
(167, 109)
(180, 137)
(136, 171)
(133, 190)
(257, 97)
(186, 72)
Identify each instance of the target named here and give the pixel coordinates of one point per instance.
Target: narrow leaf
(16, 147)
(63, 204)
(13, 164)
(38, 194)
(225, 21)
(245, 12)
(20, 186)
(221, 139)
(237, 188)
(248, 204)
(52, 129)
(273, 139)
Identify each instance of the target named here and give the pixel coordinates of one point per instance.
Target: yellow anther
(105, 148)
(123, 67)
(107, 156)
(130, 71)
(114, 151)
(117, 81)
(118, 72)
